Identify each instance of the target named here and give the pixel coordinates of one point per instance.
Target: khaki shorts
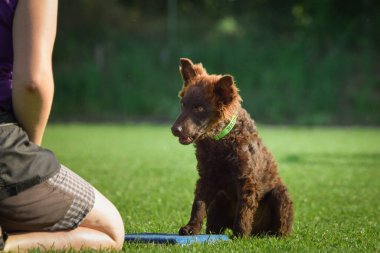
(59, 203)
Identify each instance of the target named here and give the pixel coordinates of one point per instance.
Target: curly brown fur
(239, 187)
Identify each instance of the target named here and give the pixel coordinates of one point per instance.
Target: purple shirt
(7, 11)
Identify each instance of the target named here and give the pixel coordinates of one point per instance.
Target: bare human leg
(102, 228)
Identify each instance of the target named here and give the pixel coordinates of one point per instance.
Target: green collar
(227, 129)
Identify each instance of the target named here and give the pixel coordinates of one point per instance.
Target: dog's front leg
(198, 213)
(247, 206)
(204, 193)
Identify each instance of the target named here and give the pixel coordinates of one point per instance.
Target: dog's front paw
(239, 232)
(188, 230)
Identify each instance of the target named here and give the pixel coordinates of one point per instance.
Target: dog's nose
(176, 130)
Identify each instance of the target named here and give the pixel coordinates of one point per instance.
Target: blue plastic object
(174, 238)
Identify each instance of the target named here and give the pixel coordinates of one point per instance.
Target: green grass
(333, 175)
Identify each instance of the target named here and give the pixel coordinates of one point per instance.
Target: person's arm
(34, 30)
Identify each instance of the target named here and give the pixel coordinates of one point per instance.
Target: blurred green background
(303, 62)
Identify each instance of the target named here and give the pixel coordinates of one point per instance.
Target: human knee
(106, 218)
(117, 232)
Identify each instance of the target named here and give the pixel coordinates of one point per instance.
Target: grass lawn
(333, 175)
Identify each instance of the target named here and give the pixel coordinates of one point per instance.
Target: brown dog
(239, 186)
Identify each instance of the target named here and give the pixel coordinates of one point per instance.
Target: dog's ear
(187, 69)
(225, 89)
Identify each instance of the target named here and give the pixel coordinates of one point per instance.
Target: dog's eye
(198, 108)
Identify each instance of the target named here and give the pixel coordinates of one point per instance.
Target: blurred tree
(297, 61)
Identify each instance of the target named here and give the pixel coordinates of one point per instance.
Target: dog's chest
(217, 162)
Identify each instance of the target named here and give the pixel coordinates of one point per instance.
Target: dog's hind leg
(276, 213)
(284, 209)
(220, 214)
